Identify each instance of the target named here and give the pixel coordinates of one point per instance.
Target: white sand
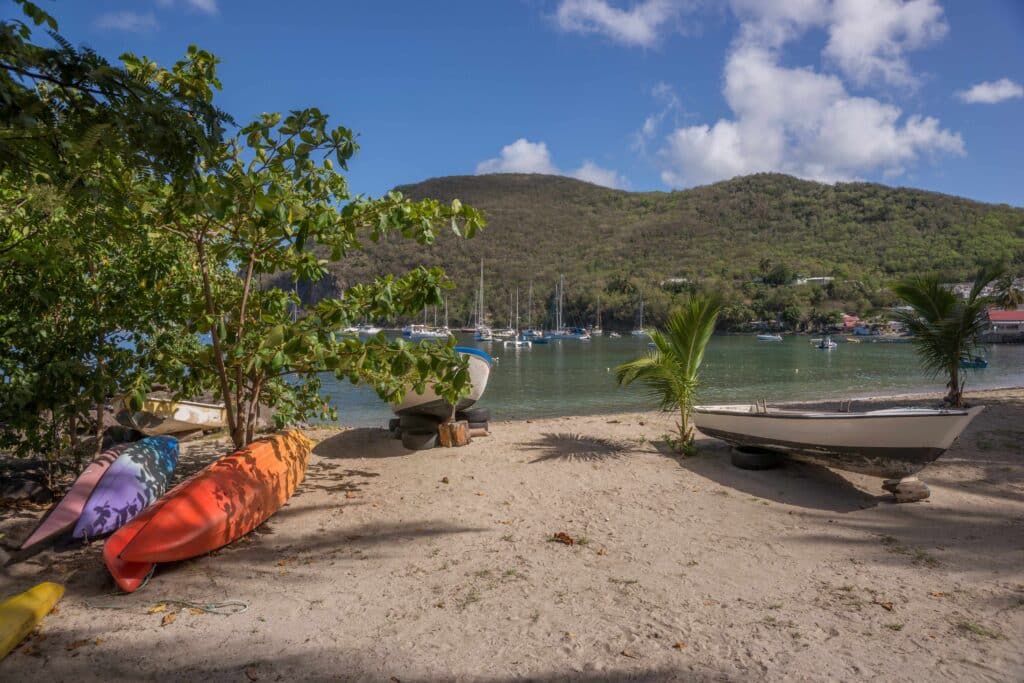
(687, 569)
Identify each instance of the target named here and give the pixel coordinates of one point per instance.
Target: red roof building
(1006, 320)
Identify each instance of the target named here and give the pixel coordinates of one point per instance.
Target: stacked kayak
(114, 487)
(20, 614)
(214, 507)
(137, 478)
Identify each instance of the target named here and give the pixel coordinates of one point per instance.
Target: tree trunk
(955, 398)
(234, 426)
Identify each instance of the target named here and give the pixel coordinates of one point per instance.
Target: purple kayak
(137, 478)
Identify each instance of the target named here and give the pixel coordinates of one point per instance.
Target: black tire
(480, 425)
(419, 423)
(419, 441)
(393, 424)
(472, 415)
(747, 458)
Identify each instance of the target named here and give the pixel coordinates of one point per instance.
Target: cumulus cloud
(991, 92)
(868, 39)
(523, 156)
(127, 21)
(798, 121)
(592, 173)
(205, 6)
(640, 25)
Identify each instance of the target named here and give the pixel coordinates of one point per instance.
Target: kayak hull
(63, 516)
(214, 507)
(20, 614)
(137, 478)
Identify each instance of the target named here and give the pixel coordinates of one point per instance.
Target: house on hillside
(814, 280)
(1004, 326)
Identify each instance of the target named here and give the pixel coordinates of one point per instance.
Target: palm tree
(1007, 294)
(670, 370)
(945, 327)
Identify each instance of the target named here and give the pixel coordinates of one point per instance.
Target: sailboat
(640, 331)
(517, 342)
(536, 336)
(560, 331)
(508, 332)
(482, 333)
(596, 329)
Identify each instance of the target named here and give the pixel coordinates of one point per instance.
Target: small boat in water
(158, 416)
(429, 403)
(826, 344)
(769, 337)
(973, 362)
(893, 443)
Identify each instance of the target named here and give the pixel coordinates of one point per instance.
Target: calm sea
(577, 378)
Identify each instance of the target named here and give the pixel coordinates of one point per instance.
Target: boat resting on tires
(892, 443)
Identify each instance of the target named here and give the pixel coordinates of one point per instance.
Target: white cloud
(991, 92)
(868, 38)
(127, 21)
(592, 173)
(523, 156)
(640, 25)
(206, 6)
(802, 122)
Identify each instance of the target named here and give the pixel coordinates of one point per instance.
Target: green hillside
(721, 237)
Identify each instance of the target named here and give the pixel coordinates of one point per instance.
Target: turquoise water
(576, 378)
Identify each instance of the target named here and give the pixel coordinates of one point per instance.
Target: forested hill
(722, 236)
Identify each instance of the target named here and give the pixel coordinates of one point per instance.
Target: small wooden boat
(214, 507)
(429, 403)
(68, 509)
(159, 416)
(20, 614)
(137, 478)
(893, 443)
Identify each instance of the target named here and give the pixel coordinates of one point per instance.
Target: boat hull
(137, 478)
(884, 443)
(214, 507)
(430, 404)
(159, 416)
(20, 614)
(66, 512)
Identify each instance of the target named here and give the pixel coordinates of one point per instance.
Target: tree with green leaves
(255, 208)
(670, 372)
(946, 328)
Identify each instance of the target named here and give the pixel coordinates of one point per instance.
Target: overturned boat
(159, 416)
(429, 403)
(894, 443)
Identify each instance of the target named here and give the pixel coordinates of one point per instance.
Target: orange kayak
(214, 507)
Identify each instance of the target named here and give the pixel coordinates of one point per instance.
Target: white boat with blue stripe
(429, 403)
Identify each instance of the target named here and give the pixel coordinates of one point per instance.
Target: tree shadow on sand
(567, 446)
(362, 442)
(793, 483)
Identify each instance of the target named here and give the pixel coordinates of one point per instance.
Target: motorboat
(826, 344)
(769, 337)
(976, 362)
(894, 443)
(421, 332)
(429, 403)
(159, 416)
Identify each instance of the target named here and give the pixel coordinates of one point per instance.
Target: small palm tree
(945, 327)
(1007, 295)
(670, 370)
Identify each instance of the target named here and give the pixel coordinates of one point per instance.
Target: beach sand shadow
(793, 483)
(361, 442)
(567, 446)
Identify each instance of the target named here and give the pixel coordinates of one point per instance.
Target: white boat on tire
(894, 443)
(429, 403)
(159, 416)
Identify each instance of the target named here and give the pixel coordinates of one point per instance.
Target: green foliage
(613, 244)
(670, 371)
(945, 327)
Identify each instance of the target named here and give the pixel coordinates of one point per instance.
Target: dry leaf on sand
(168, 619)
(562, 537)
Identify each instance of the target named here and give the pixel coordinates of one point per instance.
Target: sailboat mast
(529, 308)
(480, 318)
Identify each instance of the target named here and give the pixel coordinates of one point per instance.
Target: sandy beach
(390, 565)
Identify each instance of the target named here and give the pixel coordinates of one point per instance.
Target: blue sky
(648, 95)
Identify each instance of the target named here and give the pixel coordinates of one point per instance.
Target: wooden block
(453, 433)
